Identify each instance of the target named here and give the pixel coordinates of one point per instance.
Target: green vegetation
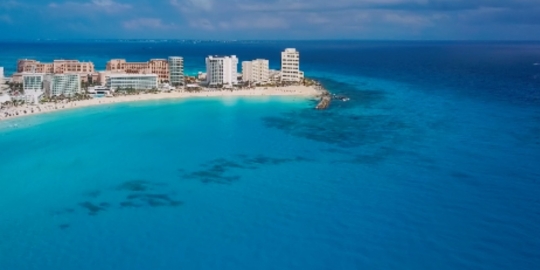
(64, 98)
(12, 103)
(132, 91)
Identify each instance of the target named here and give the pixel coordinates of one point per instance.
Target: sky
(271, 19)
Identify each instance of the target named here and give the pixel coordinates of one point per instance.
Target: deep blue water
(433, 164)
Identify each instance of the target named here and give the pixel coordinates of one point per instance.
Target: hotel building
(159, 67)
(33, 66)
(84, 69)
(32, 81)
(256, 71)
(63, 84)
(176, 71)
(290, 66)
(221, 70)
(114, 81)
(1, 77)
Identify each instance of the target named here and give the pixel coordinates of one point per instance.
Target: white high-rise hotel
(221, 70)
(63, 84)
(256, 71)
(33, 81)
(290, 66)
(134, 81)
(176, 70)
(2, 79)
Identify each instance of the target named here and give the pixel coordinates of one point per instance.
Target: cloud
(282, 19)
(201, 23)
(10, 4)
(407, 19)
(192, 5)
(106, 6)
(401, 5)
(265, 22)
(147, 23)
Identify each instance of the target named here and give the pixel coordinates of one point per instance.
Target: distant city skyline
(273, 19)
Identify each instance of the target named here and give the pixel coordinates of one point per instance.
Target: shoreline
(43, 108)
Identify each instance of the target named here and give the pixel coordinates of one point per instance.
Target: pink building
(159, 67)
(84, 69)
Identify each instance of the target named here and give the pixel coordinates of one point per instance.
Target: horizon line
(264, 40)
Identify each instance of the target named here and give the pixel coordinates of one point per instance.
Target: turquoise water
(406, 175)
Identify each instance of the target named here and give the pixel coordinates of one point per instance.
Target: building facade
(63, 84)
(176, 71)
(134, 81)
(256, 71)
(221, 71)
(290, 66)
(33, 66)
(159, 67)
(84, 69)
(32, 81)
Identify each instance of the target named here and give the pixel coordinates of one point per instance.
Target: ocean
(434, 163)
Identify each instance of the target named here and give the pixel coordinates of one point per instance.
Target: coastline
(29, 110)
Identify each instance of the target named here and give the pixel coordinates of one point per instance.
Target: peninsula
(63, 84)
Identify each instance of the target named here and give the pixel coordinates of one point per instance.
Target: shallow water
(405, 175)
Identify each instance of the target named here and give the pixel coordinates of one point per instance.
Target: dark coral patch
(129, 205)
(64, 226)
(342, 126)
(221, 180)
(337, 129)
(153, 200)
(135, 185)
(93, 209)
(212, 176)
(216, 171)
(263, 160)
(227, 163)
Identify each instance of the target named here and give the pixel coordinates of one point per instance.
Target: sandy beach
(26, 110)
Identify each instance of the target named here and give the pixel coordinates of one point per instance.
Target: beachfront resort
(38, 87)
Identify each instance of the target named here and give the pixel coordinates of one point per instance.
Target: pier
(326, 99)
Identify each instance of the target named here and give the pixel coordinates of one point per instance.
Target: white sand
(26, 110)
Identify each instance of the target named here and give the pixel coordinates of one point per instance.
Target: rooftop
(130, 75)
(220, 56)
